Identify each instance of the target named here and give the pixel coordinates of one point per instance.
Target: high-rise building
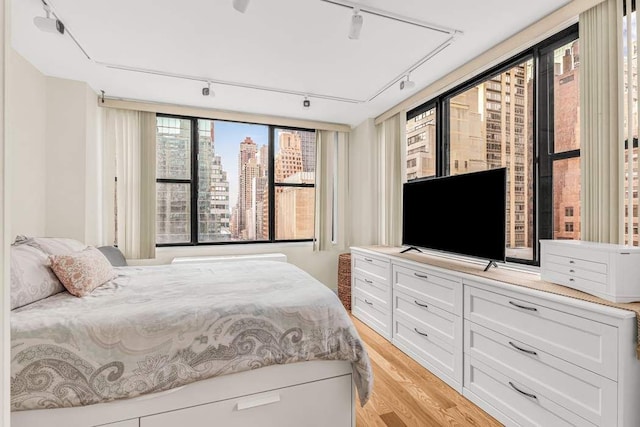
(421, 140)
(248, 169)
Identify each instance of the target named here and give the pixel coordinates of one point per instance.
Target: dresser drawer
(426, 347)
(291, 406)
(380, 291)
(577, 272)
(524, 405)
(581, 259)
(573, 281)
(431, 319)
(584, 342)
(584, 393)
(434, 288)
(373, 313)
(376, 268)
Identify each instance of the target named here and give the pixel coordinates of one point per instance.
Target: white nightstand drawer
(371, 266)
(431, 287)
(583, 392)
(587, 343)
(573, 281)
(526, 406)
(578, 273)
(446, 326)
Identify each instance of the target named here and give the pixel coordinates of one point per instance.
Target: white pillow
(31, 278)
(52, 245)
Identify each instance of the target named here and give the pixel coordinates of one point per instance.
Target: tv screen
(463, 214)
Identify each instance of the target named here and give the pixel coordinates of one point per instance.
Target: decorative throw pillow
(31, 278)
(81, 272)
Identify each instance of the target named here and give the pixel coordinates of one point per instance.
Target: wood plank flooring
(406, 395)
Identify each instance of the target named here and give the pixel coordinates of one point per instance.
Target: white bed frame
(315, 393)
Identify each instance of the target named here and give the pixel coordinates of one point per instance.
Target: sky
(228, 136)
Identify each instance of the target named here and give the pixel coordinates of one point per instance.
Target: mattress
(154, 328)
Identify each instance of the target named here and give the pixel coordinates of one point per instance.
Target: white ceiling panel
(298, 46)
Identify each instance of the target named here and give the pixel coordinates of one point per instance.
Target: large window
(522, 115)
(230, 182)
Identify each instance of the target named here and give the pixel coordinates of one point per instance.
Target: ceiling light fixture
(48, 24)
(356, 24)
(240, 5)
(206, 91)
(306, 104)
(407, 84)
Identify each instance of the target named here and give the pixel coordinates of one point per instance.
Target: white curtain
(390, 137)
(601, 110)
(332, 191)
(133, 134)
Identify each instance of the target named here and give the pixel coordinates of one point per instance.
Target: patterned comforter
(158, 327)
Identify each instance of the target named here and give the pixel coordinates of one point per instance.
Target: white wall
(26, 129)
(73, 173)
(363, 195)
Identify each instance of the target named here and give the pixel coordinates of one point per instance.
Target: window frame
(194, 180)
(542, 163)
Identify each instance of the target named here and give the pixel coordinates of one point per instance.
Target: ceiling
(282, 49)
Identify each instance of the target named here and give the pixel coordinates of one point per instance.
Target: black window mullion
(271, 185)
(194, 181)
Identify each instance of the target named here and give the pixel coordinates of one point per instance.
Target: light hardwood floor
(406, 394)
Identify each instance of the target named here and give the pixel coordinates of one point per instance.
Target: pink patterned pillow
(83, 271)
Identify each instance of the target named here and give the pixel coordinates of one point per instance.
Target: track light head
(356, 24)
(206, 91)
(240, 5)
(306, 103)
(407, 84)
(49, 24)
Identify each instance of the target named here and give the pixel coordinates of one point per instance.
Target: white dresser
(527, 357)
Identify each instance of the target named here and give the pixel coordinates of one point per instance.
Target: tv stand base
(490, 264)
(410, 248)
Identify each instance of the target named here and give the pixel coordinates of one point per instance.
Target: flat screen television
(462, 214)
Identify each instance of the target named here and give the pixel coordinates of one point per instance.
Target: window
(630, 127)
(229, 182)
(421, 140)
(568, 226)
(523, 115)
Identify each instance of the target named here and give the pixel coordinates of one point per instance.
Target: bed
(241, 342)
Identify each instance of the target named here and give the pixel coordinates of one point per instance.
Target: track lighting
(356, 24)
(306, 103)
(206, 91)
(48, 24)
(407, 84)
(240, 5)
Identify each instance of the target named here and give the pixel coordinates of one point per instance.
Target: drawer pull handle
(370, 303)
(523, 307)
(422, 276)
(368, 281)
(421, 333)
(524, 350)
(571, 279)
(572, 271)
(260, 401)
(533, 396)
(421, 305)
(571, 261)
(368, 259)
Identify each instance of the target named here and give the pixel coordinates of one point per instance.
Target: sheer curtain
(132, 137)
(390, 166)
(332, 191)
(601, 113)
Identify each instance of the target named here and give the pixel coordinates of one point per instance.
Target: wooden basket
(344, 280)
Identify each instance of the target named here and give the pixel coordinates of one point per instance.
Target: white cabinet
(371, 290)
(609, 271)
(527, 357)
